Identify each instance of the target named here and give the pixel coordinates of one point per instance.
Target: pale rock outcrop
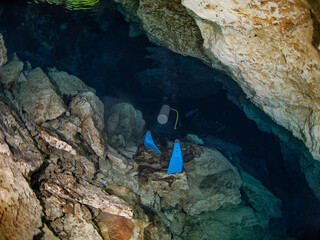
(89, 109)
(48, 234)
(124, 125)
(10, 72)
(118, 161)
(55, 142)
(69, 219)
(3, 51)
(267, 47)
(39, 99)
(67, 187)
(167, 23)
(67, 85)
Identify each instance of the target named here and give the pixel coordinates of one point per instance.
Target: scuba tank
(164, 114)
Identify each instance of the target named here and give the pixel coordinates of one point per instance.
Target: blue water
(95, 47)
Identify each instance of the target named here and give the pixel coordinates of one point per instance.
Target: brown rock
(65, 186)
(20, 209)
(48, 235)
(114, 227)
(55, 142)
(39, 99)
(88, 107)
(70, 220)
(25, 154)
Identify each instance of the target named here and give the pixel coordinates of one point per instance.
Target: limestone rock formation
(89, 109)
(124, 125)
(236, 223)
(267, 47)
(44, 159)
(67, 85)
(206, 194)
(167, 23)
(10, 72)
(260, 198)
(39, 98)
(89, 190)
(20, 210)
(3, 51)
(213, 182)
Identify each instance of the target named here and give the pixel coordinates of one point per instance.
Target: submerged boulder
(261, 200)
(234, 223)
(10, 72)
(124, 125)
(67, 85)
(89, 109)
(39, 98)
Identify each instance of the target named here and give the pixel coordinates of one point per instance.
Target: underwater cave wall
(265, 46)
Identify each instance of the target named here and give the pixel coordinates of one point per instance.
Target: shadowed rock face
(48, 162)
(267, 47)
(60, 180)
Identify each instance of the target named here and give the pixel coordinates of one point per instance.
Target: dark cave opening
(96, 48)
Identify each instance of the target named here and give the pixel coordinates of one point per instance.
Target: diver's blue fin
(176, 162)
(148, 142)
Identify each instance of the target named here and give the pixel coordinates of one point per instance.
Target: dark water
(95, 47)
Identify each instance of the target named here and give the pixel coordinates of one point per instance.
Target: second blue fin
(176, 161)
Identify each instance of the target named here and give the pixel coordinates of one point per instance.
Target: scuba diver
(164, 126)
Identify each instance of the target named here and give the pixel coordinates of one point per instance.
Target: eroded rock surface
(89, 190)
(3, 51)
(66, 84)
(20, 209)
(89, 109)
(209, 189)
(39, 98)
(125, 125)
(62, 172)
(10, 72)
(267, 47)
